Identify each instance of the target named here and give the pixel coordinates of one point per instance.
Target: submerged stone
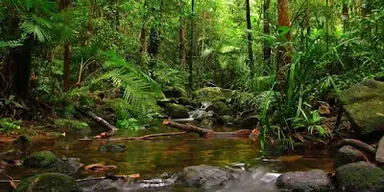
(348, 154)
(360, 177)
(204, 177)
(68, 166)
(48, 182)
(368, 94)
(304, 181)
(42, 159)
(113, 147)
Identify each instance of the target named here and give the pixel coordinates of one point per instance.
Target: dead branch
(358, 145)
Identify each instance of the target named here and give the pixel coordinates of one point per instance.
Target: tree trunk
(154, 42)
(19, 63)
(267, 30)
(345, 15)
(143, 34)
(191, 48)
(65, 4)
(250, 39)
(284, 51)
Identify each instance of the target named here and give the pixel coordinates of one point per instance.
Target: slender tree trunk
(191, 50)
(327, 27)
(89, 25)
(154, 42)
(250, 39)
(284, 51)
(143, 34)
(65, 4)
(182, 52)
(267, 30)
(345, 15)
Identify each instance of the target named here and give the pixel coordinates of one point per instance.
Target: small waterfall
(198, 113)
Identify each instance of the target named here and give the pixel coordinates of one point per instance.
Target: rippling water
(152, 158)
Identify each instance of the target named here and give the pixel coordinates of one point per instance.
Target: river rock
(48, 182)
(304, 181)
(113, 147)
(68, 165)
(42, 159)
(348, 154)
(226, 119)
(368, 94)
(176, 110)
(360, 177)
(103, 185)
(380, 152)
(204, 177)
(175, 92)
(210, 94)
(220, 108)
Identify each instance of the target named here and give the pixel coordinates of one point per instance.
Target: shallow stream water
(151, 158)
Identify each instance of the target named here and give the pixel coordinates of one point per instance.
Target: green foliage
(8, 125)
(71, 125)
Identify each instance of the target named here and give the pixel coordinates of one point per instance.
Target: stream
(151, 158)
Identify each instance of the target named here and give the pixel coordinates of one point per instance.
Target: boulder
(42, 159)
(210, 94)
(304, 181)
(348, 154)
(113, 148)
(360, 177)
(184, 101)
(368, 94)
(380, 152)
(68, 165)
(176, 110)
(204, 177)
(175, 92)
(23, 141)
(48, 182)
(220, 108)
(226, 119)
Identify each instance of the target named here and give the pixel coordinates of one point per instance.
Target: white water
(199, 113)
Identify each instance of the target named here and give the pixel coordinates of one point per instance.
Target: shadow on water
(151, 158)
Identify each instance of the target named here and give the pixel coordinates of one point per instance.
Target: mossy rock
(184, 101)
(70, 125)
(176, 110)
(48, 182)
(175, 92)
(113, 148)
(249, 122)
(364, 105)
(348, 154)
(42, 159)
(220, 108)
(226, 119)
(360, 177)
(210, 94)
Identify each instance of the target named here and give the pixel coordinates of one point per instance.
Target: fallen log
(358, 145)
(145, 137)
(97, 119)
(206, 132)
(149, 136)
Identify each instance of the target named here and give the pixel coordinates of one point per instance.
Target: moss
(361, 176)
(210, 94)
(70, 125)
(368, 94)
(48, 182)
(42, 159)
(346, 155)
(175, 92)
(176, 110)
(23, 140)
(221, 108)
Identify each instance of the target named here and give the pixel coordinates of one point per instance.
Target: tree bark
(284, 51)
(267, 31)
(63, 5)
(358, 145)
(97, 119)
(250, 39)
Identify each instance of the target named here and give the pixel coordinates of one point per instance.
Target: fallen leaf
(134, 176)
(13, 184)
(324, 110)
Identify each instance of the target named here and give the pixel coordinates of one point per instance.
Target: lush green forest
(278, 58)
(285, 73)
